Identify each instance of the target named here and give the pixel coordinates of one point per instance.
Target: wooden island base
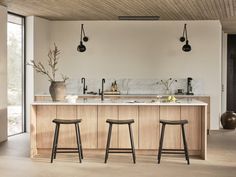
(94, 128)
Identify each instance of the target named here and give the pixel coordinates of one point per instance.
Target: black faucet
(84, 87)
(102, 92)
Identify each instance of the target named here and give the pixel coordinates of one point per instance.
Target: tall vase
(57, 90)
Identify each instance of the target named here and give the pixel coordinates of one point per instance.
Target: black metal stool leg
(185, 144)
(54, 143)
(108, 142)
(132, 143)
(161, 143)
(78, 142)
(57, 137)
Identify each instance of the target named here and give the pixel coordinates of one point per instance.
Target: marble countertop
(132, 95)
(106, 101)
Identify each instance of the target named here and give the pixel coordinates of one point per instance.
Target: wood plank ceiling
(223, 10)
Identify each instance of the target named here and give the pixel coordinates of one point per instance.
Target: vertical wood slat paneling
(94, 127)
(88, 126)
(44, 126)
(67, 133)
(148, 127)
(128, 112)
(172, 132)
(104, 113)
(193, 129)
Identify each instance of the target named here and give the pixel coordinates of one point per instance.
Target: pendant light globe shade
(81, 47)
(182, 39)
(186, 47)
(85, 39)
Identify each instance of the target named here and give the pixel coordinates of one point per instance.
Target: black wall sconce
(186, 47)
(81, 47)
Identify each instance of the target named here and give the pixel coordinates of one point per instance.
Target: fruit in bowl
(169, 99)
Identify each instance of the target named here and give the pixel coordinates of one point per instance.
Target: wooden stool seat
(173, 151)
(113, 121)
(174, 122)
(56, 150)
(66, 121)
(120, 150)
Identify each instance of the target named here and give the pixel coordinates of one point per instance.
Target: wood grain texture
(104, 113)
(148, 127)
(172, 132)
(128, 112)
(33, 131)
(67, 135)
(88, 126)
(204, 133)
(208, 101)
(223, 10)
(193, 129)
(44, 125)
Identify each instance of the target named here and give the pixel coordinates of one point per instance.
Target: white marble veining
(134, 86)
(96, 101)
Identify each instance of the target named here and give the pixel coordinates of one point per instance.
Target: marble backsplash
(134, 86)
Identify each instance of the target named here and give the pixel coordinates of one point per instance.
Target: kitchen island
(146, 129)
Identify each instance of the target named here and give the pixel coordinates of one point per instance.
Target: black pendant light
(186, 47)
(81, 47)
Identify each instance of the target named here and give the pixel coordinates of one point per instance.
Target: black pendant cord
(83, 30)
(81, 33)
(185, 28)
(184, 31)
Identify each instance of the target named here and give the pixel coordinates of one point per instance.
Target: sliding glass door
(15, 64)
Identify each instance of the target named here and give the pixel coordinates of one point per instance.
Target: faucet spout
(102, 92)
(85, 87)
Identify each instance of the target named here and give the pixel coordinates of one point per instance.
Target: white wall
(3, 73)
(224, 73)
(37, 45)
(138, 49)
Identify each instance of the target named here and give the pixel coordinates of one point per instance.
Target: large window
(15, 64)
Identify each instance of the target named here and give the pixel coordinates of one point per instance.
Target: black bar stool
(56, 150)
(120, 150)
(173, 151)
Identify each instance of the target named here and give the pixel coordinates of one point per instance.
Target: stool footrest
(67, 151)
(172, 149)
(122, 149)
(173, 152)
(67, 148)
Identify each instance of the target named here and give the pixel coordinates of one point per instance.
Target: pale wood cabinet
(44, 127)
(128, 112)
(148, 127)
(67, 137)
(172, 132)
(193, 128)
(88, 126)
(94, 129)
(104, 113)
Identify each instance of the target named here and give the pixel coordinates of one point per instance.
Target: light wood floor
(15, 162)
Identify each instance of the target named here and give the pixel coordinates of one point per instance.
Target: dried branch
(40, 69)
(167, 83)
(64, 77)
(53, 58)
